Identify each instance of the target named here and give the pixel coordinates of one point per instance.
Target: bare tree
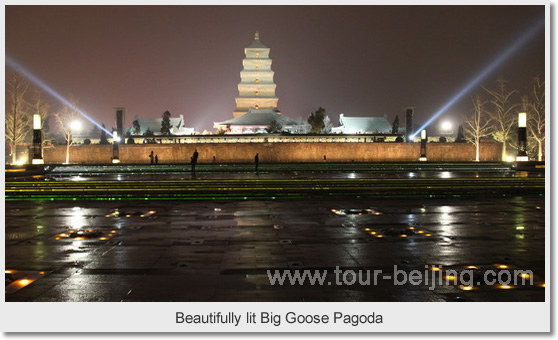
(502, 115)
(18, 121)
(534, 105)
(477, 125)
(65, 118)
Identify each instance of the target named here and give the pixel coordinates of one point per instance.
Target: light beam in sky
(485, 72)
(35, 80)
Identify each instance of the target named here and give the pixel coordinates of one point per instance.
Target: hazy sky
(357, 60)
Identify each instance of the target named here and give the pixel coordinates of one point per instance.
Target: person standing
(257, 161)
(151, 157)
(194, 160)
(156, 160)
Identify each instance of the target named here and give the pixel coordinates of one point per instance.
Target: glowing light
(467, 288)
(428, 235)
(522, 120)
(505, 287)
(450, 278)
(379, 236)
(423, 134)
(472, 267)
(42, 273)
(502, 266)
(420, 232)
(435, 269)
(402, 235)
(446, 126)
(103, 238)
(36, 121)
(520, 227)
(510, 159)
(366, 229)
(373, 233)
(485, 72)
(542, 285)
(24, 282)
(31, 77)
(75, 125)
(8, 271)
(411, 228)
(525, 276)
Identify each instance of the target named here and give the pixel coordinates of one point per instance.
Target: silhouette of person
(156, 160)
(151, 156)
(194, 160)
(257, 161)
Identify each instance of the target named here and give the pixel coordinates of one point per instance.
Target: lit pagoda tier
(256, 88)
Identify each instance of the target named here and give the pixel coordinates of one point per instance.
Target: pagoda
(256, 89)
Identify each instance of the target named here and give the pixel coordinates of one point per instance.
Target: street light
(446, 127)
(75, 125)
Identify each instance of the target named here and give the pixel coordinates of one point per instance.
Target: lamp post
(522, 138)
(37, 141)
(423, 140)
(115, 142)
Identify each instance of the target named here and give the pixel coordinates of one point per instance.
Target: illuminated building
(256, 88)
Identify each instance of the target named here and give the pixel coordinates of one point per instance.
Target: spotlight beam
(35, 80)
(485, 72)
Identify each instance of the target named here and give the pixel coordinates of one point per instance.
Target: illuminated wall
(275, 152)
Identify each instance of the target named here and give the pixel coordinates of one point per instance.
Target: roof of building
(257, 43)
(260, 117)
(154, 124)
(365, 124)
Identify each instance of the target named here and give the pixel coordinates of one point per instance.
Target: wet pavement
(219, 250)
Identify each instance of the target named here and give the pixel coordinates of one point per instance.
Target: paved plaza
(226, 250)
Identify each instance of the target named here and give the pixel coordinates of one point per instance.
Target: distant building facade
(154, 125)
(259, 121)
(362, 125)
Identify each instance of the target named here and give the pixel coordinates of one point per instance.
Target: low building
(362, 125)
(154, 125)
(258, 121)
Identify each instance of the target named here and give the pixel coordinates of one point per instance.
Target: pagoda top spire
(257, 36)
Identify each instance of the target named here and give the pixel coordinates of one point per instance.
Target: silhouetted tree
(131, 141)
(395, 125)
(274, 127)
(165, 124)
(399, 139)
(136, 128)
(148, 133)
(316, 120)
(87, 141)
(460, 136)
(442, 139)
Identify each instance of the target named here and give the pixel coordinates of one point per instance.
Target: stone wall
(275, 152)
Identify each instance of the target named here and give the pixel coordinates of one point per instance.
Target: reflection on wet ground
(222, 250)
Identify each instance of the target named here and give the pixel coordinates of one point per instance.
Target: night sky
(357, 60)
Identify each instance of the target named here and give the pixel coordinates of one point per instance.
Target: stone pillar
(522, 138)
(37, 141)
(120, 122)
(423, 141)
(409, 124)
